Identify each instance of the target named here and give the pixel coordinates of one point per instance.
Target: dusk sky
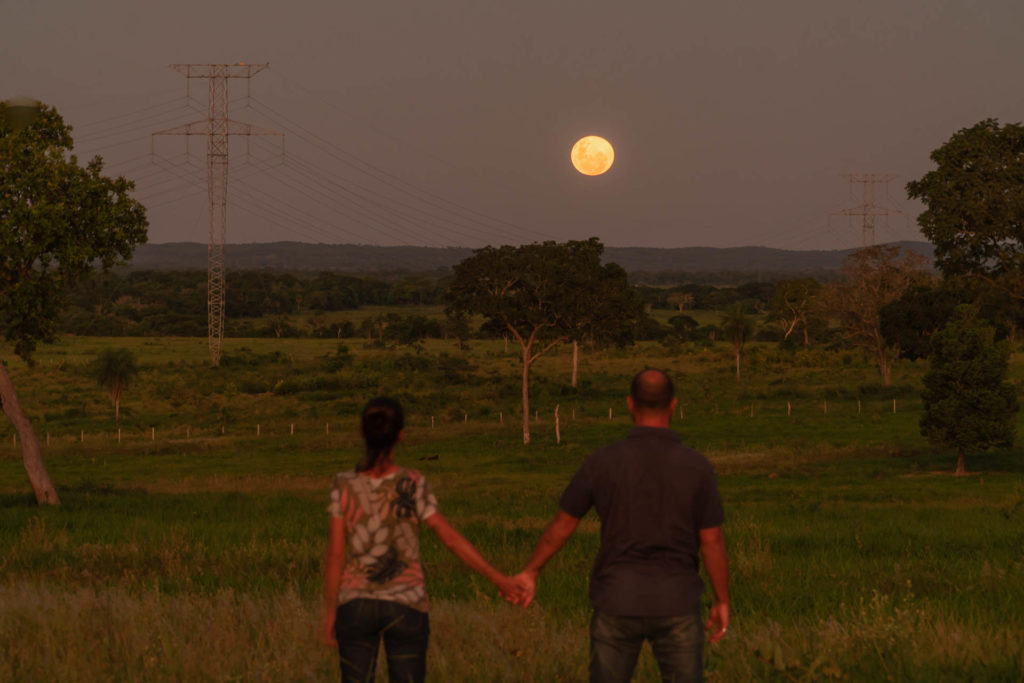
(449, 123)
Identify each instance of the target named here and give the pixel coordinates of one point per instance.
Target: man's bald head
(652, 391)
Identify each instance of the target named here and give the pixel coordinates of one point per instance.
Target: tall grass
(854, 554)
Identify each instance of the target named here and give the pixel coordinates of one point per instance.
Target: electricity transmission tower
(217, 127)
(867, 209)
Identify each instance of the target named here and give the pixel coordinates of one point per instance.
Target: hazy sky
(450, 122)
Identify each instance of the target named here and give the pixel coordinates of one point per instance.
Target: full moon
(592, 155)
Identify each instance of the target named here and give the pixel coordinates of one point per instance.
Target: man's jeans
(359, 627)
(615, 643)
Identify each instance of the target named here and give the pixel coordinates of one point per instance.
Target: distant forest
(645, 265)
(264, 303)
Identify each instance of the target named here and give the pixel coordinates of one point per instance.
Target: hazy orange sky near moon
(447, 123)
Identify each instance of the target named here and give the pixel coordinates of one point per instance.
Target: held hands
(518, 589)
(718, 619)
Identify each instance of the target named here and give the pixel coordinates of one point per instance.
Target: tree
(794, 306)
(975, 205)
(58, 221)
(908, 323)
(115, 369)
(534, 293)
(967, 402)
(738, 327)
(604, 308)
(872, 278)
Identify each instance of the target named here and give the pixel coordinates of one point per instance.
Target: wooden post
(789, 408)
(894, 405)
(465, 417)
(327, 428)
(119, 435)
(501, 417)
(152, 433)
(82, 437)
(222, 430)
(292, 432)
(609, 413)
(558, 435)
(257, 429)
(574, 414)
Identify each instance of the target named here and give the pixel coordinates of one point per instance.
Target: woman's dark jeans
(360, 624)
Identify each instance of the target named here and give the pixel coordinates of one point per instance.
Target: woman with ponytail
(373, 580)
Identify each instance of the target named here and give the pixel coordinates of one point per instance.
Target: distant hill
(364, 259)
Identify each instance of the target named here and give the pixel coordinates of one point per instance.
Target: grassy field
(190, 550)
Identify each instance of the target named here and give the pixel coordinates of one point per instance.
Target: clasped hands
(518, 589)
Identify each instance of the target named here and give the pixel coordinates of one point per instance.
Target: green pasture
(190, 549)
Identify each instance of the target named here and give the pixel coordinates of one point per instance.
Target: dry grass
(101, 633)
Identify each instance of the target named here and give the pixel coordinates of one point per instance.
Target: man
(660, 512)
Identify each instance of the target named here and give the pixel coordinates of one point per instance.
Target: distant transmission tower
(867, 209)
(217, 127)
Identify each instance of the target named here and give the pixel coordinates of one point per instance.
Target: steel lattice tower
(867, 209)
(217, 128)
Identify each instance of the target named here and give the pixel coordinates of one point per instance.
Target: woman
(373, 582)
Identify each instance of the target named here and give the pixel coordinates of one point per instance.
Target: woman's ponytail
(382, 421)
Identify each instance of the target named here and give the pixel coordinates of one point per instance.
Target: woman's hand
(514, 589)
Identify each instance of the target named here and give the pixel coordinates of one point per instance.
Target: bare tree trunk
(33, 459)
(117, 413)
(737, 363)
(575, 360)
(960, 471)
(526, 393)
(884, 366)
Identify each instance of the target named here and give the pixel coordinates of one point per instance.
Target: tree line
(60, 220)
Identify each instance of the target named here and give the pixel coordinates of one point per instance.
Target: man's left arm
(712, 550)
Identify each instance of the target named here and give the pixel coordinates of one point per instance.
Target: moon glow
(592, 155)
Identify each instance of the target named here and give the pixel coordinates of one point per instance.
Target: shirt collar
(659, 432)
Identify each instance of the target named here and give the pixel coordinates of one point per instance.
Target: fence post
(558, 435)
(292, 432)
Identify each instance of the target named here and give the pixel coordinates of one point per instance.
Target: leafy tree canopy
(975, 204)
(57, 221)
(968, 404)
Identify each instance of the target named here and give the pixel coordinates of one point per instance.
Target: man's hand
(514, 590)
(327, 628)
(526, 587)
(718, 619)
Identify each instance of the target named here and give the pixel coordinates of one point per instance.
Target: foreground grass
(854, 554)
(859, 562)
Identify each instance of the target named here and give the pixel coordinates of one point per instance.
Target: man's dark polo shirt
(653, 495)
